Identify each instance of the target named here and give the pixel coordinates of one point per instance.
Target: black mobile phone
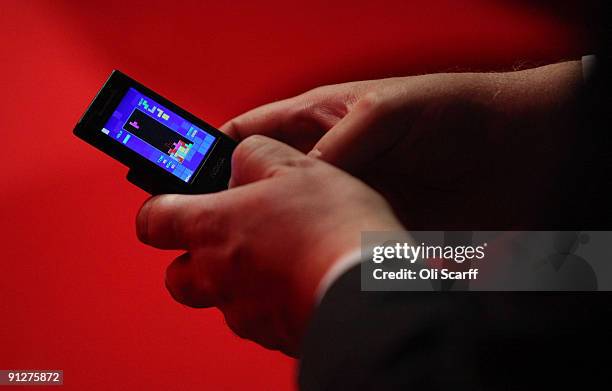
(167, 149)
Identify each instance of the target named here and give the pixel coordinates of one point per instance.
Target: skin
(259, 250)
(438, 151)
(438, 146)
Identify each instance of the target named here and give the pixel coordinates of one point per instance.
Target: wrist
(333, 255)
(545, 95)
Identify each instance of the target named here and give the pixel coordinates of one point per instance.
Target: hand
(259, 250)
(464, 150)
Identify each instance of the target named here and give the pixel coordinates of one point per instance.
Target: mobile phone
(167, 149)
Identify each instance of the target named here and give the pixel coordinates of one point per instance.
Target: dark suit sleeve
(454, 340)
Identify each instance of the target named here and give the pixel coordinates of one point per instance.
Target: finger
(364, 133)
(168, 221)
(300, 121)
(188, 284)
(260, 157)
(270, 120)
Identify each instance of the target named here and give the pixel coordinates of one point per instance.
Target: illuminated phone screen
(158, 134)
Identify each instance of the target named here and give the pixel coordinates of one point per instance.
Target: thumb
(259, 157)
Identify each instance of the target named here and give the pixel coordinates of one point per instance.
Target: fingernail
(315, 153)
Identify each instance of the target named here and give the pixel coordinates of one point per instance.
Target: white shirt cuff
(588, 67)
(338, 269)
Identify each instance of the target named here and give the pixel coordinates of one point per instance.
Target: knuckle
(179, 288)
(254, 140)
(186, 286)
(300, 162)
(232, 128)
(207, 221)
(295, 165)
(302, 112)
(319, 107)
(316, 91)
(371, 100)
(246, 148)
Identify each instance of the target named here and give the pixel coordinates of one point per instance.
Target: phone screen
(158, 134)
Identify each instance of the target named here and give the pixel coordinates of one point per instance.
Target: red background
(77, 290)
